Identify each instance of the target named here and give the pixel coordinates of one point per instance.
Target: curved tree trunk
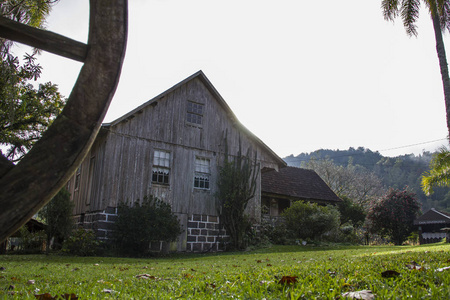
(440, 48)
(28, 186)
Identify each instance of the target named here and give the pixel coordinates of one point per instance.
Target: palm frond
(410, 14)
(444, 14)
(390, 9)
(439, 174)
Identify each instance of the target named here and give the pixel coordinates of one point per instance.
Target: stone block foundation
(101, 222)
(202, 231)
(204, 234)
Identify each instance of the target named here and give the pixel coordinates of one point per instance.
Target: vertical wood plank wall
(122, 155)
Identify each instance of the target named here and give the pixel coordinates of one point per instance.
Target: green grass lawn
(322, 273)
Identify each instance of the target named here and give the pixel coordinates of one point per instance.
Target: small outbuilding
(433, 226)
(281, 188)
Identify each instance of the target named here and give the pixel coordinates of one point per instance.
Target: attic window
(161, 169)
(194, 113)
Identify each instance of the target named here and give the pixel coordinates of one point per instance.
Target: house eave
(297, 198)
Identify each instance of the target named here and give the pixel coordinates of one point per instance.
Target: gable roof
(202, 77)
(433, 216)
(298, 183)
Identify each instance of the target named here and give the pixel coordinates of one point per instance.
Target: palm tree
(440, 15)
(439, 174)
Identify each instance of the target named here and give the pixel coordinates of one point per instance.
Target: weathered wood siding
(119, 167)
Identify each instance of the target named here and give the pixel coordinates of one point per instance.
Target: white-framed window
(194, 113)
(161, 167)
(202, 173)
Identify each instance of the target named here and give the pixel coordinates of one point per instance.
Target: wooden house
(433, 226)
(281, 188)
(170, 147)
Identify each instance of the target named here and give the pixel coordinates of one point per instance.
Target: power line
(356, 154)
(412, 145)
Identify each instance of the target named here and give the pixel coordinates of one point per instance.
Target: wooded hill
(396, 172)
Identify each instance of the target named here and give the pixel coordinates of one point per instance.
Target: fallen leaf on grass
(389, 274)
(188, 275)
(364, 294)
(288, 280)
(414, 266)
(48, 296)
(31, 282)
(146, 276)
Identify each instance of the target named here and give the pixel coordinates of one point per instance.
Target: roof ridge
(202, 77)
(441, 213)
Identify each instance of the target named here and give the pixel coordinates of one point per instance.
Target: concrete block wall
(101, 222)
(204, 234)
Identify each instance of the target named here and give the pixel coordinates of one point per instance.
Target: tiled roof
(298, 183)
(433, 216)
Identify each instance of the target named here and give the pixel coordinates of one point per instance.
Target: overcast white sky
(301, 75)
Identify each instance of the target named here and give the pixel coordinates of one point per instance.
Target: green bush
(351, 212)
(305, 220)
(31, 242)
(82, 243)
(137, 226)
(57, 214)
(275, 233)
(393, 216)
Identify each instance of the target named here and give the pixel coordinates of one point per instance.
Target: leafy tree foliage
(439, 174)
(351, 212)
(25, 111)
(307, 220)
(137, 226)
(236, 186)
(354, 182)
(394, 214)
(57, 214)
(394, 172)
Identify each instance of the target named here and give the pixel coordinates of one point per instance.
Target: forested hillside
(396, 172)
